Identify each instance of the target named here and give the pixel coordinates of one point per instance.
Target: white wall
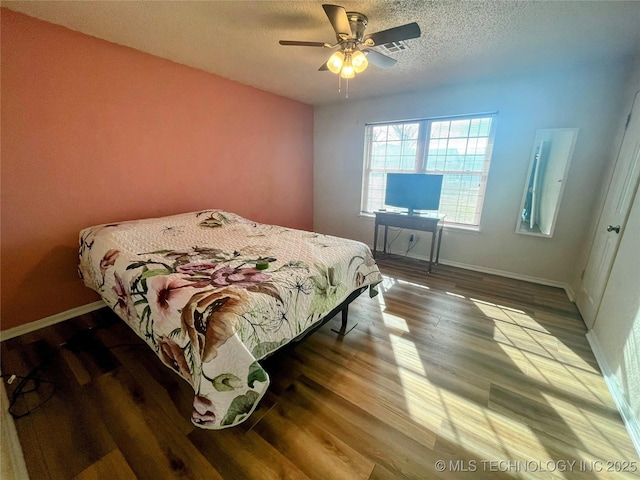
(589, 98)
(632, 86)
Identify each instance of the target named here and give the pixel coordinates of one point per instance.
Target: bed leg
(343, 328)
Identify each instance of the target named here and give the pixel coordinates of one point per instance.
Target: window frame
(422, 153)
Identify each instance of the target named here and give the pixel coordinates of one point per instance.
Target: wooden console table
(423, 223)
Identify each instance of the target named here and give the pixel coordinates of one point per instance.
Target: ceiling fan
(354, 48)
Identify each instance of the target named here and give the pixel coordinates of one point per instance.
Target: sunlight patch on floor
(491, 310)
(381, 301)
(479, 430)
(552, 372)
(427, 403)
(586, 426)
(455, 294)
(424, 404)
(530, 340)
(501, 307)
(395, 322)
(490, 435)
(524, 364)
(406, 354)
(577, 359)
(388, 282)
(507, 314)
(530, 348)
(417, 285)
(392, 321)
(523, 339)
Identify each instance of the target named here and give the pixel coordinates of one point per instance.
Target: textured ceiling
(461, 40)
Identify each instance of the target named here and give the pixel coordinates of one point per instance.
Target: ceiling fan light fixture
(347, 68)
(335, 62)
(359, 61)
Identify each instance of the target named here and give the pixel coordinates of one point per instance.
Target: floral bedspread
(212, 292)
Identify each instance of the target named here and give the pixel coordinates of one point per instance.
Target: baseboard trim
(53, 319)
(15, 466)
(501, 273)
(630, 421)
(570, 293)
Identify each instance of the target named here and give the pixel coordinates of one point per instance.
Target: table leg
(384, 247)
(375, 241)
(439, 243)
(433, 244)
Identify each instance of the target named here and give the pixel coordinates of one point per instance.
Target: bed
(212, 293)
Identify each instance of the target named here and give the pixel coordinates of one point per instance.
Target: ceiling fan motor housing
(358, 23)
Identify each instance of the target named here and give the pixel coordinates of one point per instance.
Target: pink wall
(94, 132)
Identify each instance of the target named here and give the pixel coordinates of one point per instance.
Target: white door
(617, 327)
(612, 220)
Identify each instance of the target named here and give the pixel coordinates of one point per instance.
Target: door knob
(611, 228)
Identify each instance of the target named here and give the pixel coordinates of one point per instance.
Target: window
(459, 148)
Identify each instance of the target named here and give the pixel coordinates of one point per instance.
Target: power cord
(21, 389)
(411, 247)
(390, 242)
(78, 342)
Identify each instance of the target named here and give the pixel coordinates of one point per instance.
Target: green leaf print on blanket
(256, 374)
(226, 382)
(329, 288)
(240, 407)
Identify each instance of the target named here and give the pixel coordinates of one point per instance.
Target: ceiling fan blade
(338, 18)
(302, 44)
(378, 59)
(323, 67)
(395, 34)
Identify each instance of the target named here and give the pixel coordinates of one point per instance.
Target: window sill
(460, 228)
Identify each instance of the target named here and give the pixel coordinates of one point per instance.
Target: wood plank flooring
(491, 376)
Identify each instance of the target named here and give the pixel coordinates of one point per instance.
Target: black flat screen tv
(413, 191)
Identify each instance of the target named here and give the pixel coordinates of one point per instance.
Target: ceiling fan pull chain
(347, 90)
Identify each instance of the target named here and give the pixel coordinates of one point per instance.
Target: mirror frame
(568, 135)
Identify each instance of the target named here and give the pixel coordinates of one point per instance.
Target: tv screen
(414, 191)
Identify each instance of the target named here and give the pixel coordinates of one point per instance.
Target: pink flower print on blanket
(203, 412)
(124, 302)
(238, 277)
(197, 268)
(167, 294)
(108, 260)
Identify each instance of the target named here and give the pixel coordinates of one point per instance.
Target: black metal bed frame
(344, 308)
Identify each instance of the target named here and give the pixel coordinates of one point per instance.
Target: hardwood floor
(491, 376)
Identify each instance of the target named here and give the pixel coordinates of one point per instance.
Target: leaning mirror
(550, 159)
